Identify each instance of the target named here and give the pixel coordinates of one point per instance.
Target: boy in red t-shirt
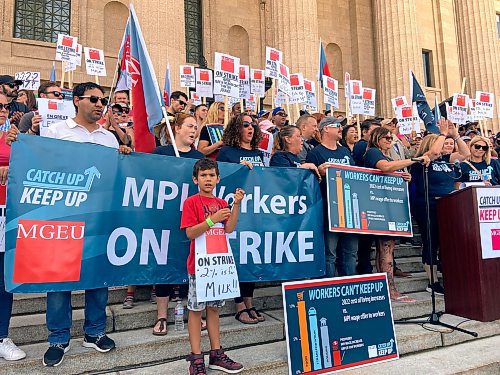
(200, 213)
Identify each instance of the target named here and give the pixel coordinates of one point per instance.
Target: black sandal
(238, 317)
(163, 326)
(256, 314)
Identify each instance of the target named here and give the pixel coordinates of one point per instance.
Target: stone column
(294, 28)
(478, 48)
(397, 50)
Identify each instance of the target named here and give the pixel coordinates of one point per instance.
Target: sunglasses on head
(94, 99)
(4, 106)
(57, 94)
(480, 147)
(246, 124)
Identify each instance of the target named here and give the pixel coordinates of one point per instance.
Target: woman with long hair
(241, 141)
(441, 179)
(478, 167)
(349, 137)
(378, 156)
(215, 116)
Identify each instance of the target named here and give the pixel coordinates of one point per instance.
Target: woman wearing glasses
(377, 156)
(215, 117)
(478, 167)
(241, 141)
(8, 350)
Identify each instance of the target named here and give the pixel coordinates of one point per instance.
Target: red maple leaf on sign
(204, 75)
(484, 97)
(460, 100)
(274, 55)
(356, 89)
(367, 94)
(330, 83)
(294, 80)
(227, 64)
(52, 105)
(399, 101)
(257, 74)
(243, 73)
(67, 41)
(94, 54)
(308, 85)
(406, 112)
(186, 70)
(283, 70)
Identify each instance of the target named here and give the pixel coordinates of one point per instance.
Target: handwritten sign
(297, 89)
(273, 59)
(204, 83)
(66, 48)
(244, 76)
(311, 102)
(484, 104)
(284, 79)
(188, 78)
(215, 268)
(257, 83)
(331, 91)
(356, 97)
(94, 61)
(227, 80)
(31, 80)
(369, 101)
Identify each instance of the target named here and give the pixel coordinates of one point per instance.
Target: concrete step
(411, 264)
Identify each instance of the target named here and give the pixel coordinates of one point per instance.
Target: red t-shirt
(195, 210)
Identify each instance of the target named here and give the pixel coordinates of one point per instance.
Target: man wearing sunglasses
(10, 88)
(30, 122)
(279, 119)
(89, 102)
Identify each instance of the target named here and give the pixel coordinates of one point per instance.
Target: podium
(469, 237)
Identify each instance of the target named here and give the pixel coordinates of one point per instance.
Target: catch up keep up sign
(338, 323)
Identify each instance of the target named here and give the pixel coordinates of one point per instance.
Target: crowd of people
(455, 157)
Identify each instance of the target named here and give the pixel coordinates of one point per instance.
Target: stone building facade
(377, 41)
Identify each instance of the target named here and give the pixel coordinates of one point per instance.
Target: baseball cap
(6, 79)
(266, 125)
(278, 109)
(465, 138)
(262, 113)
(119, 106)
(330, 121)
(472, 131)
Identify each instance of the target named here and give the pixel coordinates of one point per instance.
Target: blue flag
(437, 112)
(424, 111)
(53, 72)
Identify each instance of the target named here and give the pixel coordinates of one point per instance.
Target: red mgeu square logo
(186, 70)
(243, 73)
(294, 80)
(356, 88)
(367, 94)
(283, 70)
(257, 74)
(406, 112)
(204, 75)
(460, 100)
(94, 54)
(308, 85)
(484, 97)
(399, 101)
(216, 241)
(67, 41)
(330, 83)
(274, 55)
(48, 251)
(495, 239)
(52, 105)
(227, 64)
(264, 143)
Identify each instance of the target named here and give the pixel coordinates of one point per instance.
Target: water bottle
(179, 316)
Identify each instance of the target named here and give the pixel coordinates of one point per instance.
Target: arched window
(116, 14)
(334, 58)
(194, 31)
(42, 19)
(239, 44)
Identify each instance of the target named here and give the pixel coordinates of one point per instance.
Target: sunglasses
(182, 102)
(12, 85)
(246, 124)
(282, 114)
(221, 109)
(94, 99)
(480, 147)
(120, 113)
(4, 106)
(57, 94)
(388, 138)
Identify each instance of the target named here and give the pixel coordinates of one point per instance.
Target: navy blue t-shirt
(237, 155)
(284, 159)
(441, 178)
(495, 178)
(359, 151)
(470, 175)
(373, 156)
(168, 150)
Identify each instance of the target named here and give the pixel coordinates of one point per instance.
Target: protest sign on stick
(204, 83)
(187, 76)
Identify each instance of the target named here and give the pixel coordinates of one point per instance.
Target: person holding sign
(215, 116)
(8, 350)
(478, 167)
(442, 176)
(200, 213)
(378, 156)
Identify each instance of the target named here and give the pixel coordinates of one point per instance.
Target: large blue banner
(82, 216)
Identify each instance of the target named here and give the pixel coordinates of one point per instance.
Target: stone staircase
(260, 347)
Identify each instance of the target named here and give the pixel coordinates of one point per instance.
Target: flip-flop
(254, 313)
(163, 327)
(404, 299)
(238, 317)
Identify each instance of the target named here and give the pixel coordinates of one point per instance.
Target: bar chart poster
(338, 324)
(367, 201)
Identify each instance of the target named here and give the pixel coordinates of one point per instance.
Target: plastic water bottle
(179, 316)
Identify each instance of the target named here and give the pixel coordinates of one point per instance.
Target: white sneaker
(10, 351)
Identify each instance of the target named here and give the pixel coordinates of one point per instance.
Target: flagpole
(226, 110)
(96, 79)
(113, 83)
(273, 87)
(63, 73)
(70, 79)
(258, 103)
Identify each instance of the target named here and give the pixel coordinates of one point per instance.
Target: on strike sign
(187, 76)
(273, 59)
(204, 84)
(94, 62)
(66, 48)
(227, 79)
(488, 205)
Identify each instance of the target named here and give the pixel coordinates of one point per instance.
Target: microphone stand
(434, 316)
